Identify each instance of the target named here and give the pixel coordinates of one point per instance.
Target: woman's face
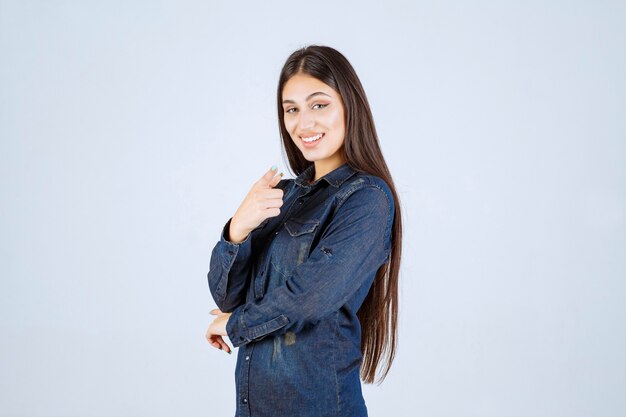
(312, 108)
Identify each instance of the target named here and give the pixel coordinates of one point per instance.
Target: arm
(229, 269)
(353, 247)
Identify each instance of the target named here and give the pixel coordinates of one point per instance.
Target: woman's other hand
(262, 201)
(217, 329)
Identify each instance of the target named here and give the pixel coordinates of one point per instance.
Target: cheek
(336, 118)
(337, 123)
(289, 126)
(292, 134)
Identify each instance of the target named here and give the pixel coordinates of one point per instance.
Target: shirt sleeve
(347, 256)
(229, 270)
(230, 267)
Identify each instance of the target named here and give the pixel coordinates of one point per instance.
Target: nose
(306, 121)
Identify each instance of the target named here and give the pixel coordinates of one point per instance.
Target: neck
(324, 167)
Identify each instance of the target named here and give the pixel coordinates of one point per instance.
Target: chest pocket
(292, 248)
(301, 235)
(297, 227)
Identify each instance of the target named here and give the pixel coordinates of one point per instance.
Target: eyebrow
(308, 98)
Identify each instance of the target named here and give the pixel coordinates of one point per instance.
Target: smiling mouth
(312, 138)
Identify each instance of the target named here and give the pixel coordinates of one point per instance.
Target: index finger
(274, 182)
(268, 178)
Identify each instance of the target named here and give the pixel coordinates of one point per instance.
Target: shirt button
(275, 233)
(245, 401)
(247, 357)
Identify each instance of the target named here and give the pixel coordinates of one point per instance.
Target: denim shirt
(294, 287)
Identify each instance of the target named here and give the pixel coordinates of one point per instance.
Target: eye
(318, 104)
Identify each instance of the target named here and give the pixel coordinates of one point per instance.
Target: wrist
(235, 235)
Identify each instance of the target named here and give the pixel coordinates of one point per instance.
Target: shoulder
(368, 186)
(372, 197)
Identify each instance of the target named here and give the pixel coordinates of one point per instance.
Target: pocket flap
(297, 227)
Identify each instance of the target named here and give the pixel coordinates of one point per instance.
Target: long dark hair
(378, 314)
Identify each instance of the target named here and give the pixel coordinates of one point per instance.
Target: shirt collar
(335, 177)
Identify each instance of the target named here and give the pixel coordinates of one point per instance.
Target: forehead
(299, 86)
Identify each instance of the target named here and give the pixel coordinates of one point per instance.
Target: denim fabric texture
(294, 287)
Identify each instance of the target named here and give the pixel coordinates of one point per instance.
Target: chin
(314, 157)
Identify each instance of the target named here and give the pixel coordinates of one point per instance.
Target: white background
(131, 131)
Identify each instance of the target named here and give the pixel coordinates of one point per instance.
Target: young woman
(305, 273)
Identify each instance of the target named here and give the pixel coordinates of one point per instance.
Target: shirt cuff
(234, 256)
(224, 238)
(240, 334)
(234, 252)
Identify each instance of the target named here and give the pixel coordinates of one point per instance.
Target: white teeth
(312, 138)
